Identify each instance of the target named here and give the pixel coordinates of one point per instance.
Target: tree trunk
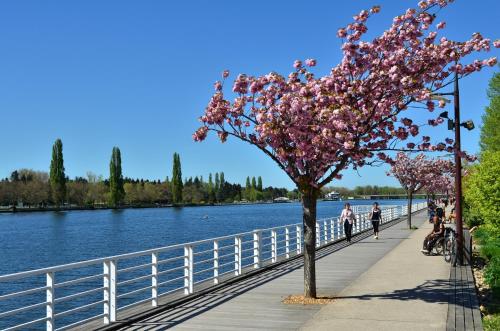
(309, 221)
(410, 197)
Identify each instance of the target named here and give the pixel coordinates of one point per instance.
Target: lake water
(42, 239)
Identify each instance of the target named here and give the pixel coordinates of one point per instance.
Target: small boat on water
(281, 200)
(332, 196)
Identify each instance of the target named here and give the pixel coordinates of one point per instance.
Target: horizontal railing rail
(73, 294)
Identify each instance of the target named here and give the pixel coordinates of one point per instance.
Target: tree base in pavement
(302, 300)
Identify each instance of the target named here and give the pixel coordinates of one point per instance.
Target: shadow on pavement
(435, 291)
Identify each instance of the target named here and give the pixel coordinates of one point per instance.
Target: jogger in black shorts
(375, 216)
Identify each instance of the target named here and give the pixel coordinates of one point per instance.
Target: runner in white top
(348, 218)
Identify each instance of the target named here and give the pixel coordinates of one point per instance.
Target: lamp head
(469, 125)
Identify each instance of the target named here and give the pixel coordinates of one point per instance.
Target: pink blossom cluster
(420, 172)
(441, 184)
(314, 127)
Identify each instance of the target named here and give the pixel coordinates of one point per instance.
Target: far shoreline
(15, 210)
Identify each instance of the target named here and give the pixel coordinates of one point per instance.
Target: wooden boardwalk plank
(450, 321)
(463, 307)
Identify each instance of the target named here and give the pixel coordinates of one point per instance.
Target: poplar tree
(57, 176)
(116, 190)
(177, 185)
(217, 186)
(259, 184)
(211, 192)
(254, 184)
(221, 194)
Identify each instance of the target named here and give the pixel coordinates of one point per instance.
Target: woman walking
(375, 217)
(349, 219)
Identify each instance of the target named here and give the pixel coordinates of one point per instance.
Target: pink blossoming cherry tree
(315, 127)
(415, 174)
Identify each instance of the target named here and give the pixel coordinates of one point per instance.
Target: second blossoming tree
(415, 174)
(315, 127)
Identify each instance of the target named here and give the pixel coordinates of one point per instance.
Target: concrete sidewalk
(405, 290)
(341, 270)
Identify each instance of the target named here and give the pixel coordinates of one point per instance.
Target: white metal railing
(77, 293)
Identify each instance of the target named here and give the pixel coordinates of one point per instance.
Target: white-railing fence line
(205, 257)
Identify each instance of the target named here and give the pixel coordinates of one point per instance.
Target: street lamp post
(458, 176)
(455, 125)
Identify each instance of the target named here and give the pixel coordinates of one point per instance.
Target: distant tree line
(366, 190)
(41, 189)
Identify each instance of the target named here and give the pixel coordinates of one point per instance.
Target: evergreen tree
(197, 182)
(247, 185)
(254, 183)
(259, 184)
(177, 185)
(14, 176)
(57, 176)
(116, 190)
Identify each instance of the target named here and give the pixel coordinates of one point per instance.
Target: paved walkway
(405, 290)
(381, 284)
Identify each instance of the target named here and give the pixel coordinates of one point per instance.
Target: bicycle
(450, 249)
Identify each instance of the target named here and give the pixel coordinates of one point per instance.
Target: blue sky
(138, 74)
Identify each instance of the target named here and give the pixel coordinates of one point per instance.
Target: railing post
(274, 246)
(298, 230)
(237, 255)
(188, 269)
(256, 249)
(154, 279)
(216, 262)
(325, 231)
(287, 243)
(109, 291)
(50, 301)
(332, 229)
(339, 228)
(318, 235)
